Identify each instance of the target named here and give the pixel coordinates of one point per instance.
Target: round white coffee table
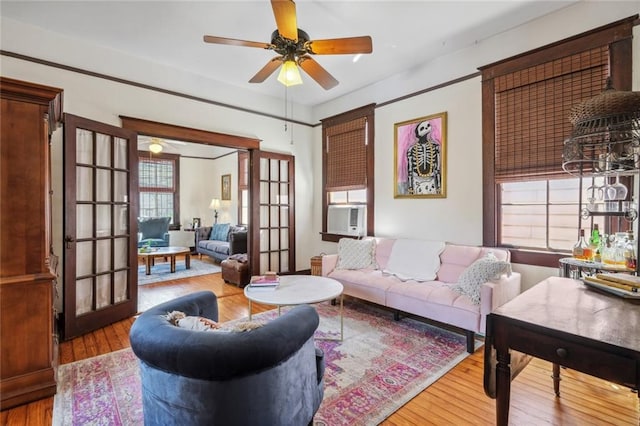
(298, 290)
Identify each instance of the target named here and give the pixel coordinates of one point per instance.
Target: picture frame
(420, 157)
(225, 193)
(196, 223)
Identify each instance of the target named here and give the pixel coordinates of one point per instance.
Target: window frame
(618, 36)
(175, 159)
(368, 113)
(243, 187)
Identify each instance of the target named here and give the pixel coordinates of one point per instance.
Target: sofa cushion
(383, 251)
(455, 259)
(215, 246)
(479, 272)
(220, 232)
(356, 254)
(417, 260)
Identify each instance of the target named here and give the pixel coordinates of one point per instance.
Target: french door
(272, 213)
(100, 209)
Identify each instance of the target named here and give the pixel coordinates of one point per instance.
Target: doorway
(271, 244)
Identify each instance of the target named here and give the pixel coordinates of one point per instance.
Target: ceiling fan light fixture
(289, 74)
(155, 147)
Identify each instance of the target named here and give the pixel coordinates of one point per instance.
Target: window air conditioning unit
(346, 220)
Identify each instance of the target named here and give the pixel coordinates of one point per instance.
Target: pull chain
(291, 133)
(285, 108)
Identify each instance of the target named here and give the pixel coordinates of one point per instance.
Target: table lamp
(215, 205)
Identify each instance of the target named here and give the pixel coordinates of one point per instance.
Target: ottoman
(235, 271)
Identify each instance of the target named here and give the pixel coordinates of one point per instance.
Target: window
(541, 214)
(358, 196)
(243, 188)
(159, 187)
(347, 158)
(530, 202)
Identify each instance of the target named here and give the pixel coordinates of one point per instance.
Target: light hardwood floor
(456, 399)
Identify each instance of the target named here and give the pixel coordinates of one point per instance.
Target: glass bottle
(607, 251)
(620, 246)
(581, 250)
(630, 255)
(594, 244)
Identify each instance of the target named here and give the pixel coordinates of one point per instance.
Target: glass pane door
(100, 259)
(276, 231)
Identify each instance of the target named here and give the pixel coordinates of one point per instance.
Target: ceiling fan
(156, 145)
(294, 48)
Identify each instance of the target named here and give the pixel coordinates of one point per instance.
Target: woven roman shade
(346, 150)
(532, 109)
(156, 174)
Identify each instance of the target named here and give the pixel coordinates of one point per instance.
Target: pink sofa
(434, 300)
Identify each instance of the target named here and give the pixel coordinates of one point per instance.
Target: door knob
(69, 239)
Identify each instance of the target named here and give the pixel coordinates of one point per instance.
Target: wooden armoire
(30, 112)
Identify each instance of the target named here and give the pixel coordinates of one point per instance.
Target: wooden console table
(562, 321)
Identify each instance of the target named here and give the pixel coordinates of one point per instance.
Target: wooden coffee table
(169, 252)
(299, 290)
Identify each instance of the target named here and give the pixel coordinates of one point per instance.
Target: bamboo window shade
(532, 108)
(346, 154)
(156, 174)
(243, 170)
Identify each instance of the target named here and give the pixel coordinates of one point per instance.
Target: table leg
(147, 265)
(342, 317)
(503, 387)
(173, 262)
(250, 309)
(187, 260)
(556, 379)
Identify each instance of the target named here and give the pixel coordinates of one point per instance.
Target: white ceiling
(405, 34)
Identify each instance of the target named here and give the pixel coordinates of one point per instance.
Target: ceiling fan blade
(267, 70)
(235, 42)
(315, 71)
(338, 46)
(285, 13)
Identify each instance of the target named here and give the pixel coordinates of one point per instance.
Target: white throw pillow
(356, 254)
(180, 319)
(479, 272)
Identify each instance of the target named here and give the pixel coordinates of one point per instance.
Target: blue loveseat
(272, 375)
(221, 240)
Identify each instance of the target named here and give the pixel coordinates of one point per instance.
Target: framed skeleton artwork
(420, 157)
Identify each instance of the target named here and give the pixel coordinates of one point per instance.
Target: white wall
(200, 182)
(457, 218)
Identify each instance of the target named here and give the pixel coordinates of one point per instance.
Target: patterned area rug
(379, 366)
(161, 271)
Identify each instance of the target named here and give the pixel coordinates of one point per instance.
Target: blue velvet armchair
(272, 375)
(153, 231)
